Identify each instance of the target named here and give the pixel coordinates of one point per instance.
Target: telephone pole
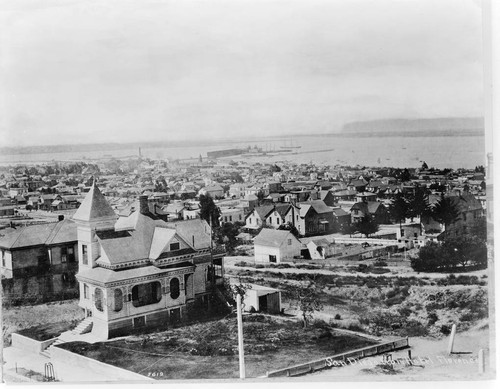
(240, 337)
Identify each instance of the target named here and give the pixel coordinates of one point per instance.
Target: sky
(121, 71)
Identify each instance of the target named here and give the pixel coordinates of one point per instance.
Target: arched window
(98, 296)
(175, 288)
(145, 294)
(118, 300)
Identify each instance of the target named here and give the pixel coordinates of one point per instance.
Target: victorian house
(138, 270)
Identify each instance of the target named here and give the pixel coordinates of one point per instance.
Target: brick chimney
(143, 204)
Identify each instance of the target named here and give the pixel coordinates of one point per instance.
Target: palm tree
(399, 209)
(419, 203)
(445, 211)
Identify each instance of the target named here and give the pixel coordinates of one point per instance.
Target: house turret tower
(94, 214)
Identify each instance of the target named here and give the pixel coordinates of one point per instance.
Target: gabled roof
(358, 182)
(264, 210)
(339, 212)
(133, 244)
(273, 238)
(282, 209)
(368, 206)
(39, 234)
(197, 228)
(94, 206)
(319, 207)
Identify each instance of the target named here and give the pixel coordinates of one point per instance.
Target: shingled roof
(39, 234)
(94, 206)
(273, 238)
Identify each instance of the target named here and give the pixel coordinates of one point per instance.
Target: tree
(429, 258)
(290, 227)
(307, 302)
(236, 177)
(399, 209)
(479, 229)
(445, 211)
(418, 203)
(260, 197)
(405, 175)
(424, 166)
(227, 233)
(209, 211)
(230, 291)
(350, 229)
(367, 226)
(275, 169)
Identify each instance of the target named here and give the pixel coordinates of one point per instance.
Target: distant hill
(416, 127)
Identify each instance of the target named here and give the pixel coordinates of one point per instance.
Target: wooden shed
(262, 299)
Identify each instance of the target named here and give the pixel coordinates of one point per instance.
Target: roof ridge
(53, 233)
(18, 236)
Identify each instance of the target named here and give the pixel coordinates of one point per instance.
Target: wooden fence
(339, 359)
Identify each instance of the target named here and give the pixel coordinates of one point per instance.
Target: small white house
(319, 249)
(262, 299)
(275, 246)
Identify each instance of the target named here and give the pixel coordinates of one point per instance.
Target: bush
(240, 264)
(338, 317)
(404, 311)
(365, 321)
(355, 327)
(259, 266)
(445, 330)
(380, 263)
(413, 328)
(433, 318)
(321, 324)
(467, 316)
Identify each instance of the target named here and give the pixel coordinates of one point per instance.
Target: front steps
(84, 327)
(74, 335)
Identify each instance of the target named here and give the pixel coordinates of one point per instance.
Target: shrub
(259, 266)
(433, 318)
(319, 323)
(364, 320)
(466, 316)
(380, 264)
(355, 327)
(414, 328)
(404, 311)
(240, 264)
(338, 317)
(445, 330)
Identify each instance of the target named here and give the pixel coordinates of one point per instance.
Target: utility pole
(240, 337)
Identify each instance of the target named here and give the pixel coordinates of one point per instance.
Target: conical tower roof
(94, 207)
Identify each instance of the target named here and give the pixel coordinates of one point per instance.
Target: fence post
(480, 361)
(452, 338)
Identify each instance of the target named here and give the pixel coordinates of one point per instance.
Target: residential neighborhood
(138, 244)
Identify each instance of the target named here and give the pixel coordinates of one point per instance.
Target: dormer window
(175, 246)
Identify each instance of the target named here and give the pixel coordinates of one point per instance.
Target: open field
(381, 304)
(209, 350)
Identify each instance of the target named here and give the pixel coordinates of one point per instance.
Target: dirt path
(430, 361)
(229, 263)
